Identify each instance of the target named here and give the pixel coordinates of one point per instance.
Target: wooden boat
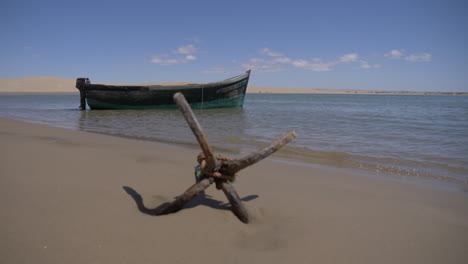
(227, 93)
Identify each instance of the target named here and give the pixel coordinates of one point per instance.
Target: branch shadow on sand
(201, 199)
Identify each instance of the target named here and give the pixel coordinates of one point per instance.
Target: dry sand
(60, 85)
(70, 197)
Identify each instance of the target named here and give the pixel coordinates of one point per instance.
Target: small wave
(415, 168)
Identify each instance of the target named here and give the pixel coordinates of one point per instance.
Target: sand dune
(42, 84)
(37, 84)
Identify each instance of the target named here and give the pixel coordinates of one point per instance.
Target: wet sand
(76, 197)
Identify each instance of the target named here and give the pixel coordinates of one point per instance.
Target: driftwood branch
(236, 205)
(233, 166)
(230, 167)
(188, 195)
(184, 107)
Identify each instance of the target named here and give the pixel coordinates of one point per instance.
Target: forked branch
(197, 131)
(210, 167)
(232, 166)
(188, 195)
(236, 205)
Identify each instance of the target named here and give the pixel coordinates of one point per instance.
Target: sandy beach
(77, 197)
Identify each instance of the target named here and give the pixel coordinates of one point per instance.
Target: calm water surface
(413, 135)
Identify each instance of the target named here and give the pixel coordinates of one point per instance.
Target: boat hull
(228, 93)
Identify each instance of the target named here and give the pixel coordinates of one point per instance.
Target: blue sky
(377, 45)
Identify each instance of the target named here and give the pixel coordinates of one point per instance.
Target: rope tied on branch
(201, 159)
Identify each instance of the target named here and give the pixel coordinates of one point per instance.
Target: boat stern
(81, 81)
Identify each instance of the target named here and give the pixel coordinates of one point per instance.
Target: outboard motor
(80, 85)
(81, 81)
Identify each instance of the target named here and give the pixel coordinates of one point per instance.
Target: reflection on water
(167, 125)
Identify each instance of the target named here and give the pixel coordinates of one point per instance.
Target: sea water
(411, 135)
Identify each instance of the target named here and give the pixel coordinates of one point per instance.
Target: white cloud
(283, 60)
(187, 49)
(270, 53)
(366, 65)
(261, 65)
(280, 62)
(419, 57)
(316, 65)
(166, 60)
(320, 66)
(347, 58)
(182, 54)
(394, 54)
(161, 59)
(156, 59)
(174, 61)
(190, 57)
(415, 57)
(300, 63)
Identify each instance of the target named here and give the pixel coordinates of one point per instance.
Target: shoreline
(405, 176)
(386, 172)
(72, 197)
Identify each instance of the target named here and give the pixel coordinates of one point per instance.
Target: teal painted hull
(220, 103)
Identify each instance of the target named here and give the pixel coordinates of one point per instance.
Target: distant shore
(41, 84)
(275, 90)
